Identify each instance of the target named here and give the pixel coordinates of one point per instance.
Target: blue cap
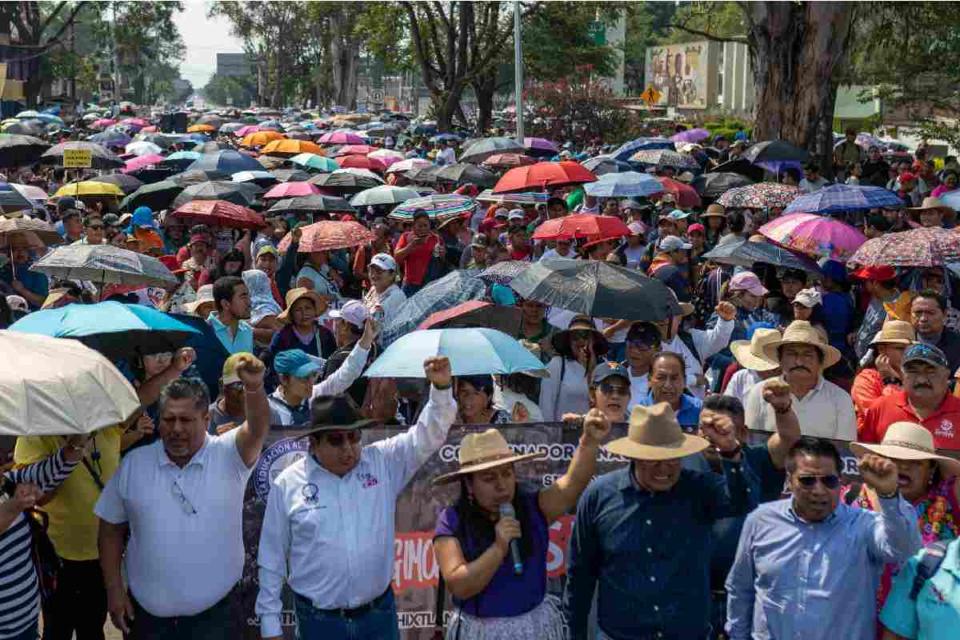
(925, 353)
(142, 217)
(296, 363)
(609, 369)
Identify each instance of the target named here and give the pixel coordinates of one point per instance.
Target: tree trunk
(484, 88)
(795, 49)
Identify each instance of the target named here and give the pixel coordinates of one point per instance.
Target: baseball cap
(229, 375)
(696, 227)
(808, 298)
(265, 249)
(480, 240)
(66, 202)
(384, 261)
(501, 212)
(17, 303)
(673, 243)
(925, 353)
(353, 312)
(877, 273)
(637, 228)
(749, 282)
(516, 214)
(490, 224)
(201, 237)
(296, 363)
(143, 217)
(679, 214)
(606, 370)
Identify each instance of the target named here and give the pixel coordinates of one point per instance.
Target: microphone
(506, 511)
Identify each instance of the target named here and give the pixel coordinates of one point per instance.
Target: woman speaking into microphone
(498, 596)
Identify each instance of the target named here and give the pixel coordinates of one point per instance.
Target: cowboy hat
(907, 441)
(714, 211)
(930, 204)
(654, 434)
(560, 341)
(802, 332)
(204, 296)
(895, 332)
(335, 413)
(297, 293)
(750, 354)
(481, 451)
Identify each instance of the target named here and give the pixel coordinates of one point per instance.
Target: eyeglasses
(338, 439)
(185, 503)
(614, 389)
(831, 481)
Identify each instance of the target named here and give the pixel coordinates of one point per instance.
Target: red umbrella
(361, 162)
(328, 235)
(686, 195)
(291, 190)
(355, 150)
(582, 225)
(508, 160)
(543, 174)
(220, 213)
(475, 313)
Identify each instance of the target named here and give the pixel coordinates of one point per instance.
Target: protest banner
(77, 158)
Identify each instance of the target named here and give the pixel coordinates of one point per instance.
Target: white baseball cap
(353, 311)
(18, 303)
(384, 261)
(516, 214)
(673, 243)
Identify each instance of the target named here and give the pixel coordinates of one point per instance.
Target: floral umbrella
(814, 235)
(662, 158)
(328, 235)
(920, 247)
(763, 195)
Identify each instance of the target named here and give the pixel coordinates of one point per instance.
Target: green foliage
(694, 20)
(577, 108)
(230, 90)
(555, 36)
(647, 24)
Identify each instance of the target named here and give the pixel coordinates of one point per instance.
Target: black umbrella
(18, 150)
(311, 204)
(423, 175)
(12, 200)
(290, 175)
(746, 253)
(463, 173)
(157, 196)
(128, 183)
(241, 193)
(150, 175)
(601, 165)
(479, 150)
(344, 182)
(775, 151)
(212, 147)
(196, 176)
(101, 157)
(26, 128)
(712, 185)
(740, 166)
(162, 140)
(597, 289)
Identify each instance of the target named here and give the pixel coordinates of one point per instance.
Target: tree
(577, 107)
(230, 90)
(648, 23)
(147, 43)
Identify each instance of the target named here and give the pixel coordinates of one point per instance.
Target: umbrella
(691, 135)
(290, 175)
(88, 188)
(582, 225)
(601, 165)
(25, 128)
(504, 272)
(685, 195)
(157, 196)
(837, 198)
(540, 147)
(410, 164)
(508, 160)
(452, 289)
(482, 149)
(424, 175)
(713, 185)
(311, 204)
(104, 264)
(361, 162)
(114, 329)
(542, 175)
(211, 147)
(143, 148)
(101, 157)
(344, 181)
(183, 158)
(624, 185)
(387, 156)
(288, 148)
(162, 140)
(598, 289)
(471, 351)
(11, 200)
(219, 213)
(340, 137)
(29, 191)
(128, 184)
(328, 235)
(200, 128)
(314, 162)
(228, 162)
(143, 162)
(239, 193)
(383, 195)
(111, 139)
(624, 151)
(290, 190)
(921, 247)
(196, 176)
(18, 150)
(260, 178)
(663, 158)
(357, 150)
(463, 173)
(260, 138)
(745, 254)
(775, 151)
(814, 235)
(763, 195)
(37, 232)
(439, 207)
(532, 197)
(243, 132)
(102, 123)
(59, 387)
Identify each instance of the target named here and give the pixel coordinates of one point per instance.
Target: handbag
(45, 559)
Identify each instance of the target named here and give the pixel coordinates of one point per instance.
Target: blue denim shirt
(648, 553)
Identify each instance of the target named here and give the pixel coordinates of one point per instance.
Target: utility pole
(72, 86)
(518, 70)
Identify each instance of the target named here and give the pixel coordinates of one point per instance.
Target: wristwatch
(896, 492)
(732, 454)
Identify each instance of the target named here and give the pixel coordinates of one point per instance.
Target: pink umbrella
(341, 137)
(361, 162)
(150, 129)
(291, 190)
(247, 130)
(142, 162)
(355, 150)
(409, 165)
(387, 156)
(817, 236)
(102, 123)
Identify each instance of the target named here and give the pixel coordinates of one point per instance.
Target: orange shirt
(944, 423)
(867, 387)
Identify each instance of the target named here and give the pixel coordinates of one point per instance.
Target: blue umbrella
(951, 199)
(471, 351)
(445, 137)
(185, 155)
(836, 198)
(228, 162)
(115, 329)
(627, 149)
(449, 291)
(111, 139)
(624, 185)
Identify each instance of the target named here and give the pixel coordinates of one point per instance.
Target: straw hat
(481, 451)
(297, 293)
(204, 296)
(930, 204)
(714, 211)
(907, 441)
(654, 434)
(750, 353)
(802, 332)
(895, 332)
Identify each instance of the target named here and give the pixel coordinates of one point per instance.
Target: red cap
(906, 176)
(696, 226)
(879, 273)
(490, 224)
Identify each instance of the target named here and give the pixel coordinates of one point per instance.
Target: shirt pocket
(311, 524)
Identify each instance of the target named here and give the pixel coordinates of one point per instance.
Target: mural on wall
(679, 73)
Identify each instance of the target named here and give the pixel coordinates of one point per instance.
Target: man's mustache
(800, 367)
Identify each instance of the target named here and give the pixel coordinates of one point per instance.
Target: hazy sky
(205, 38)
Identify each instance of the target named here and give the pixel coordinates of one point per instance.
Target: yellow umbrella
(200, 128)
(89, 188)
(260, 138)
(291, 147)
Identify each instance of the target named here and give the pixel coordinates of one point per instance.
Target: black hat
(335, 413)
(561, 340)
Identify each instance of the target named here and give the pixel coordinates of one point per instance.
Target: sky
(204, 38)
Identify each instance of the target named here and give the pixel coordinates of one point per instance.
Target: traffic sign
(651, 95)
(77, 158)
(376, 96)
(597, 32)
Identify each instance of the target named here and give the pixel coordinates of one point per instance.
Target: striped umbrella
(763, 195)
(528, 197)
(438, 206)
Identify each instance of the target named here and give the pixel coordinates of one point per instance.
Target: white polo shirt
(186, 540)
(825, 412)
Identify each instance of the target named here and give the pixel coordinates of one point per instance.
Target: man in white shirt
(824, 409)
(447, 155)
(328, 530)
(812, 180)
(180, 500)
(756, 367)
(643, 343)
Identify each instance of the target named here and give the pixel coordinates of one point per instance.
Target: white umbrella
(52, 386)
(143, 148)
(408, 165)
(385, 194)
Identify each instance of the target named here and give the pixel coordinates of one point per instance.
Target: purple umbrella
(691, 135)
(540, 147)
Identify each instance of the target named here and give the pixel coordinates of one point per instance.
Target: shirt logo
(368, 480)
(310, 492)
(945, 430)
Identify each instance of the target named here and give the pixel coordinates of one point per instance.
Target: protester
(579, 348)
(474, 395)
(755, 365)
(302, 329)
(928, 316)
(924, 612)
(229, 410)
(414, 252)
(384, 298)
(351, 322)
(885, 376)
(667, 376)
(610, 391)
(229, 321)
(643, 343)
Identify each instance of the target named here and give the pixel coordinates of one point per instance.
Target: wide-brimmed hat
(930, 204)
(561, 340)
(907, 441)
(204, 296)
(335, 413)
(750, 353)
(802, 332)
(714, 211)
(481, 451)
(655, 434)
(296, 294)
(895, 332)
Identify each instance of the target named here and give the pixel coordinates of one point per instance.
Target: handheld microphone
(506, 511)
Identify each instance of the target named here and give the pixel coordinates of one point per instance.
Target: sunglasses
(830, 482)
(338, 439)
(614, 389)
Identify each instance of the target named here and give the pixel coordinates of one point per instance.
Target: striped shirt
(19, 594)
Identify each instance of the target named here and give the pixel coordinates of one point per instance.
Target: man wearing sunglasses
(808, 566)
(328, 530)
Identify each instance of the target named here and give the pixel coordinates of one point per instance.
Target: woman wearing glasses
(578, 349)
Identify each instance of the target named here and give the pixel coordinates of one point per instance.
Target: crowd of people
(705, 531)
